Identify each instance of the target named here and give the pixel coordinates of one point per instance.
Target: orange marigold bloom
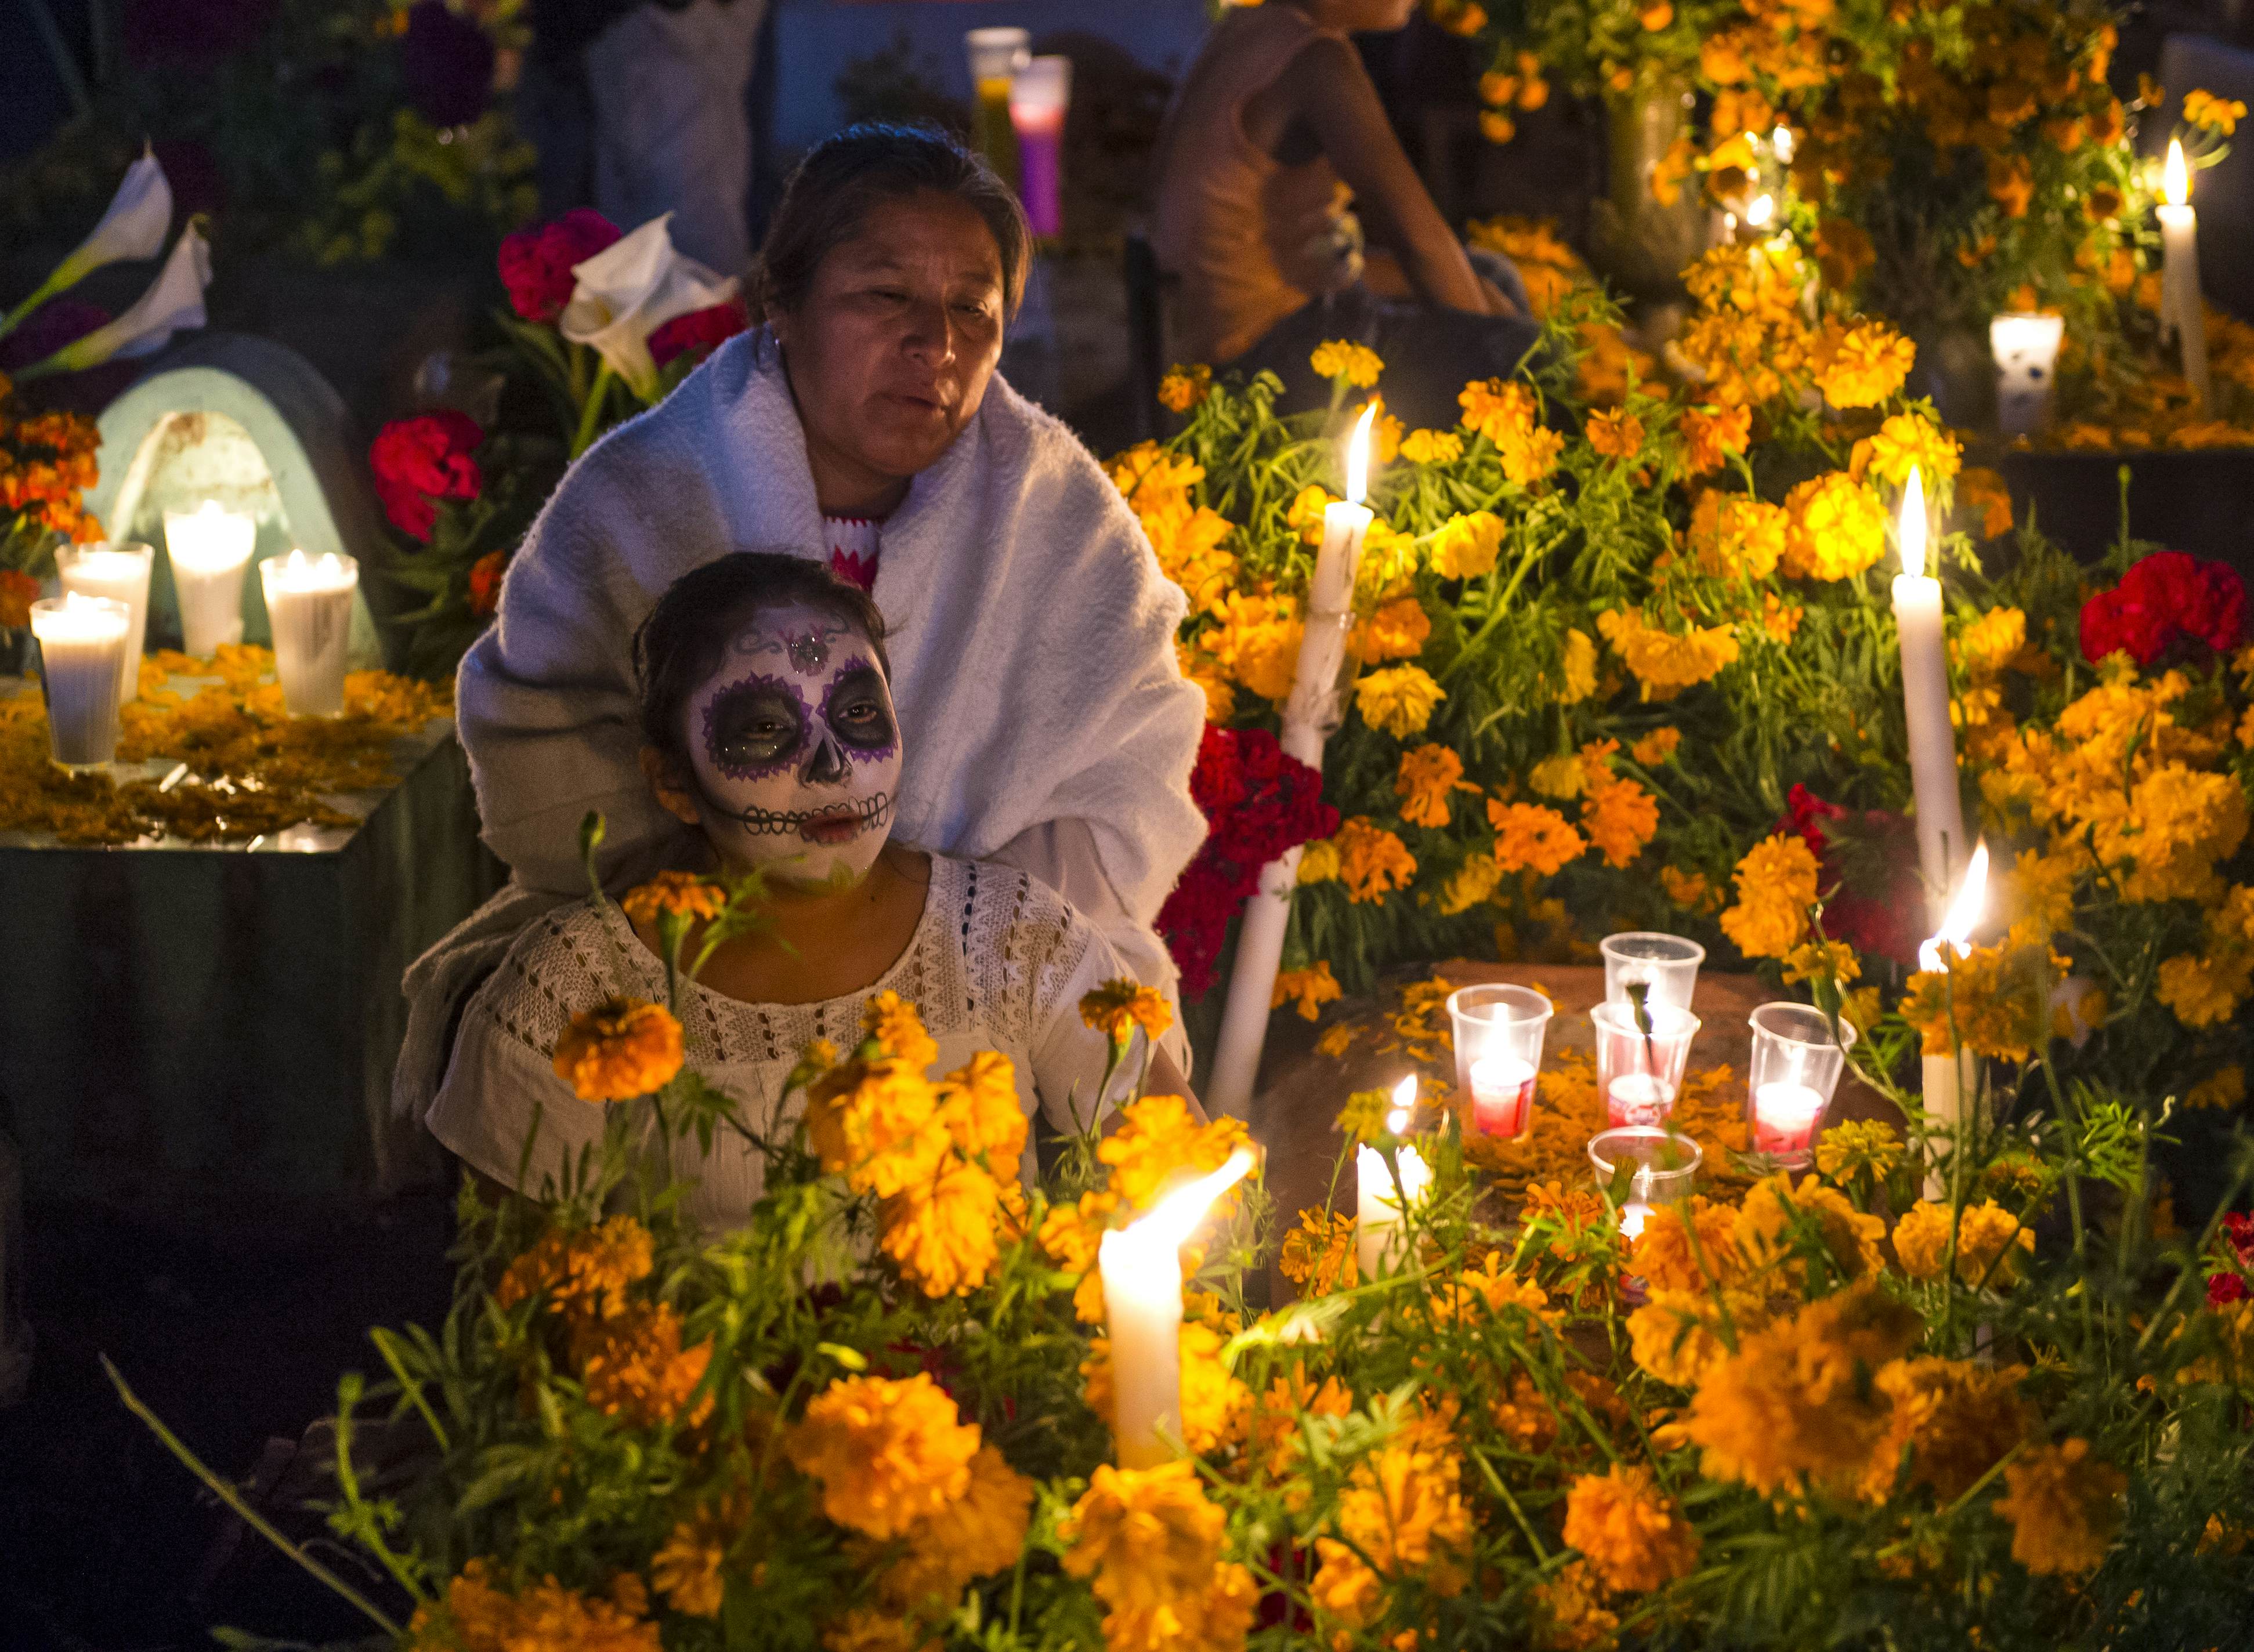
(888, 1452)
(1119, 1006)
(892, 1021)
(1616, 433)
(1712, 436)
(1619, 818)
(619, 1050)
(1427, 775)
(1320, 1254)
(1863, 364)
(1657, 747)
(1905, 440)
(2064, 1507)
(1631, 1532)
(586, 1274)
(1530, 835)
(1776, 886)
(1372, 861)
(943, 1230)
(978, 1106)
(1310, 989)
(634, 1367)
(1397, 631)
(680, 894)
(1183, 387)
(476, 1615)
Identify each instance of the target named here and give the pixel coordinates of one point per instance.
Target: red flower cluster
(2166, 596)
(485, 582)
(1884, 925)
(418, 460)
(1258, 802)
(700, 330)
(536, 264)
(2227, 1287)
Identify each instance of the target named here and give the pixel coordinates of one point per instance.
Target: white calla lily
(174, 302)
(140, 213)
(628, 291)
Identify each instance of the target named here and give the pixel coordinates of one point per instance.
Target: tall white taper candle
(2181, 307)
(1947, 1078)
(1925, 704)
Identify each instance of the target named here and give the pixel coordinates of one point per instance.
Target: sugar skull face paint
(796, 750)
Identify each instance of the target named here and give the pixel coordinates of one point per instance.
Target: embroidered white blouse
(998, 962)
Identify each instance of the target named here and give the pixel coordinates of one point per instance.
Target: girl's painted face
(796, 750)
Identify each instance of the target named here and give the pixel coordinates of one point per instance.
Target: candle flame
(1913, 525)
(1175, 1217)
(2176, 179)
(1405, 1101)
(1963, 912)
(1763, 209)
(1357, 457)
(1782, 141)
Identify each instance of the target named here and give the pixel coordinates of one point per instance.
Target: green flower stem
(591, 410)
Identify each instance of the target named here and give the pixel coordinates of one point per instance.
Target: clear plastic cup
(1640, 1074)
(309, 604)
(1667, 965)
(1661, 1167)
(1499, 1031)
(118, 569)
(81, 640)
(1790, 1079)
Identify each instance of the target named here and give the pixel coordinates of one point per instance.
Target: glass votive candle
(208, 548)
(119, 571)
(1790, 1081)
(309, 603)
(996, 56)
(81, 639)
(1499, 1031)
(1666, 964)
(1039, 94)
(1662, 1166)
(2026, 364)
(1640, 1073)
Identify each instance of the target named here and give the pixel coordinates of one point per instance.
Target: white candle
(1142, 1269)
(120, 572)
(81, 639)
(309, 602)
(1947, 1077)
(2026, 347)
(1379, 1242)
(1502, 1094)
(1784, 1117)
(2181, 306)
(1925, 700)
(1638, 1098)
(208, 548)
(1632, 1217)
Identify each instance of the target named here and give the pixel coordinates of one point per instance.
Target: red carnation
(415, 461)
(700, 330)
(1883, 925)
(536, 264)
(485, 582)
(2164, 597)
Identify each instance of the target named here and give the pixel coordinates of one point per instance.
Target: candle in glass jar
(1638, 1098)
(309, 603)
(1925, 698)
(996, 57)
(1379, 1242)
(81, 639)
(1784, 1117)
(1632, 1217)
(1039, 95)
(208, 548)
(1503, 1093)
(120, 572)
(2182, 306)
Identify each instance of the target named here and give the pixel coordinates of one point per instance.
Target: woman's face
(890, 353)
(796, 752)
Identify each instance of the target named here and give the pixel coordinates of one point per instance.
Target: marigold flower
(941, 1231)
(1953, 1421)
(686, 1570)
(1677, 1335)
(1983, 490)
(1657, 747)
(1372, 861)
(1432, 447)
(1397, 631)
(899, 1029)
(1571, 1615)
(1991, 1000)
(1474, 884)
(634, 1367)
(1159, 1142)
(1688, 1246)
(1118, 1007)
(1188, 546)
(1342, 358)
(980, 1533)
(1146, 1539)
(1632, 1533)
(1619, 817)
(1320, 1254)
(1319, 863)
(1777, 1220)
(1615, 433)
(1427, 775)
(1309, 988)
(1904, 442)
(1465, 547)
(1258, 643)
(888, 1452)
(476, 1616)
(1712, 435)
(2220, 114)
(1483, 1291)
(1398, 700)
(1839, 528)
(1664, 663)
(679, 894)
(1213, 1403)
(2064, 1506)
(619, 1050)
(1862, 364)
(1858, 1147)
(585, 1275)
(1985, 1235)
(1776, 886)
(979, 1109)
(1500, 409)
(1576, 666)
(1151, 479)
(1689, 889)
(877, 1123)
(1560, 776)
(2225, 1086)
(1183, 387)
(1402, 1508)
(1527, 835)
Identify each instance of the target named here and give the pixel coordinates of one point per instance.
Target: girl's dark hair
(832, 191)
(686, 636)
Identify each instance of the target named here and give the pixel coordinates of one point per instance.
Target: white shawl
(1032, 658)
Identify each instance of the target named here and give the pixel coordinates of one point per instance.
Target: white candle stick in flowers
(1142, 1269)
(2181, 307)
(81, 639)
(1940, 808)
(1379, 1240)
(1311, 711)
(120, 572)
(309, 603)
(208, 548)
(1948, 1077)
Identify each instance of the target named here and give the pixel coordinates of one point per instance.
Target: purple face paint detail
(808, 652)
(756, 727)
(866, 744)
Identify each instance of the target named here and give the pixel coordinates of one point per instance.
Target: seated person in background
(767, 717)
(1276, 127)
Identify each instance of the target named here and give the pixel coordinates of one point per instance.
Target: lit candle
(1638, 1098)
(208, 548)
(2181, 307)
(1142, 1268)
(1784, 1117)
(1379, 1242)
(120, 572)
(1502, 1094)
(81, 639)
(1038, 94)
(996, 56)
(309, 602)
(1947, 1077)
(2026, 348)
(1311, 712)
(1925, 699)
(1633, 1215)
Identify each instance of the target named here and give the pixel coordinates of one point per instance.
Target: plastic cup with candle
(1380, 1240)
(1142, 1269)
(1639, 1072)
(208, 548)
(1794, 1069)
(2026, 347)
(309, 603)
(1499, 1031)
(1039, 94)
(119, 571)
(1667, 965)
(1661, 1168)
(1940, 808)
(1947, 1077)
(81, 640)
(996, 57)
(2181, 307)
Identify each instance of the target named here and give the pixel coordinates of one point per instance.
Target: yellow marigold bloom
(1576, 668)
(1319, 1253)
(1344, 1591)
(1069, 1236)
(1776, 886)
(1712, 435)
(1398, 700)
(1560, 776)
(1403, 1509)
(877, 1125)
(1427, 775)
(899, 1029)
(1839, 528)
(634, 1367)
(863, 1630)
(2064, 1507)
(686, 1570)
(1432, 447)
(2225, 1086)
(1342, 358)
(1953, 1420)
(1664, 663)
(1797, 1399)
(1528, 456)
(1183, 387)
(2179, 822)
(1258, 643)
(1187, 545)
(1466, 547)
(1319, 862)
(1775, 1216)
(1985, 1235)
(1153, 480)
(1527, 835)
(585, 1275)
(1473, 884)
(619, 1050)
(1735, 537)
(1304, 514)
(1615, 433)
(1855, 1147)
(979, 1109)
(888, 1452)
(1572, 1614)
(475, 1616)
(1119, 1006)
(1677, 1335)
(980, 1533)
(1687, 890)
(1484, 1292)
(1497, 408)
(1688, 1247)
(1657, 747)
(1993, 1000)
(1863, 364)
(2201, 992)
(1372, 861)
(1159, 1142)
(1309, 988)
(680, 894)
(1619, 818)
(1983, 490)
(1149, 1541)
(1631, 1532)
(941, 1231)
(2212, 114)
(1397, 631)
(1904, 441)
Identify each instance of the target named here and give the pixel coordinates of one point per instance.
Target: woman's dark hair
(831, 192)
(686, 636)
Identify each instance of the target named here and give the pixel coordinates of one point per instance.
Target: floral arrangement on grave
(911, 1403)
(600, 325)
(1624, 657)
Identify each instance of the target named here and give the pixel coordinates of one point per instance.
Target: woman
(1046, 721)
(1275, 129)
(770, 734)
